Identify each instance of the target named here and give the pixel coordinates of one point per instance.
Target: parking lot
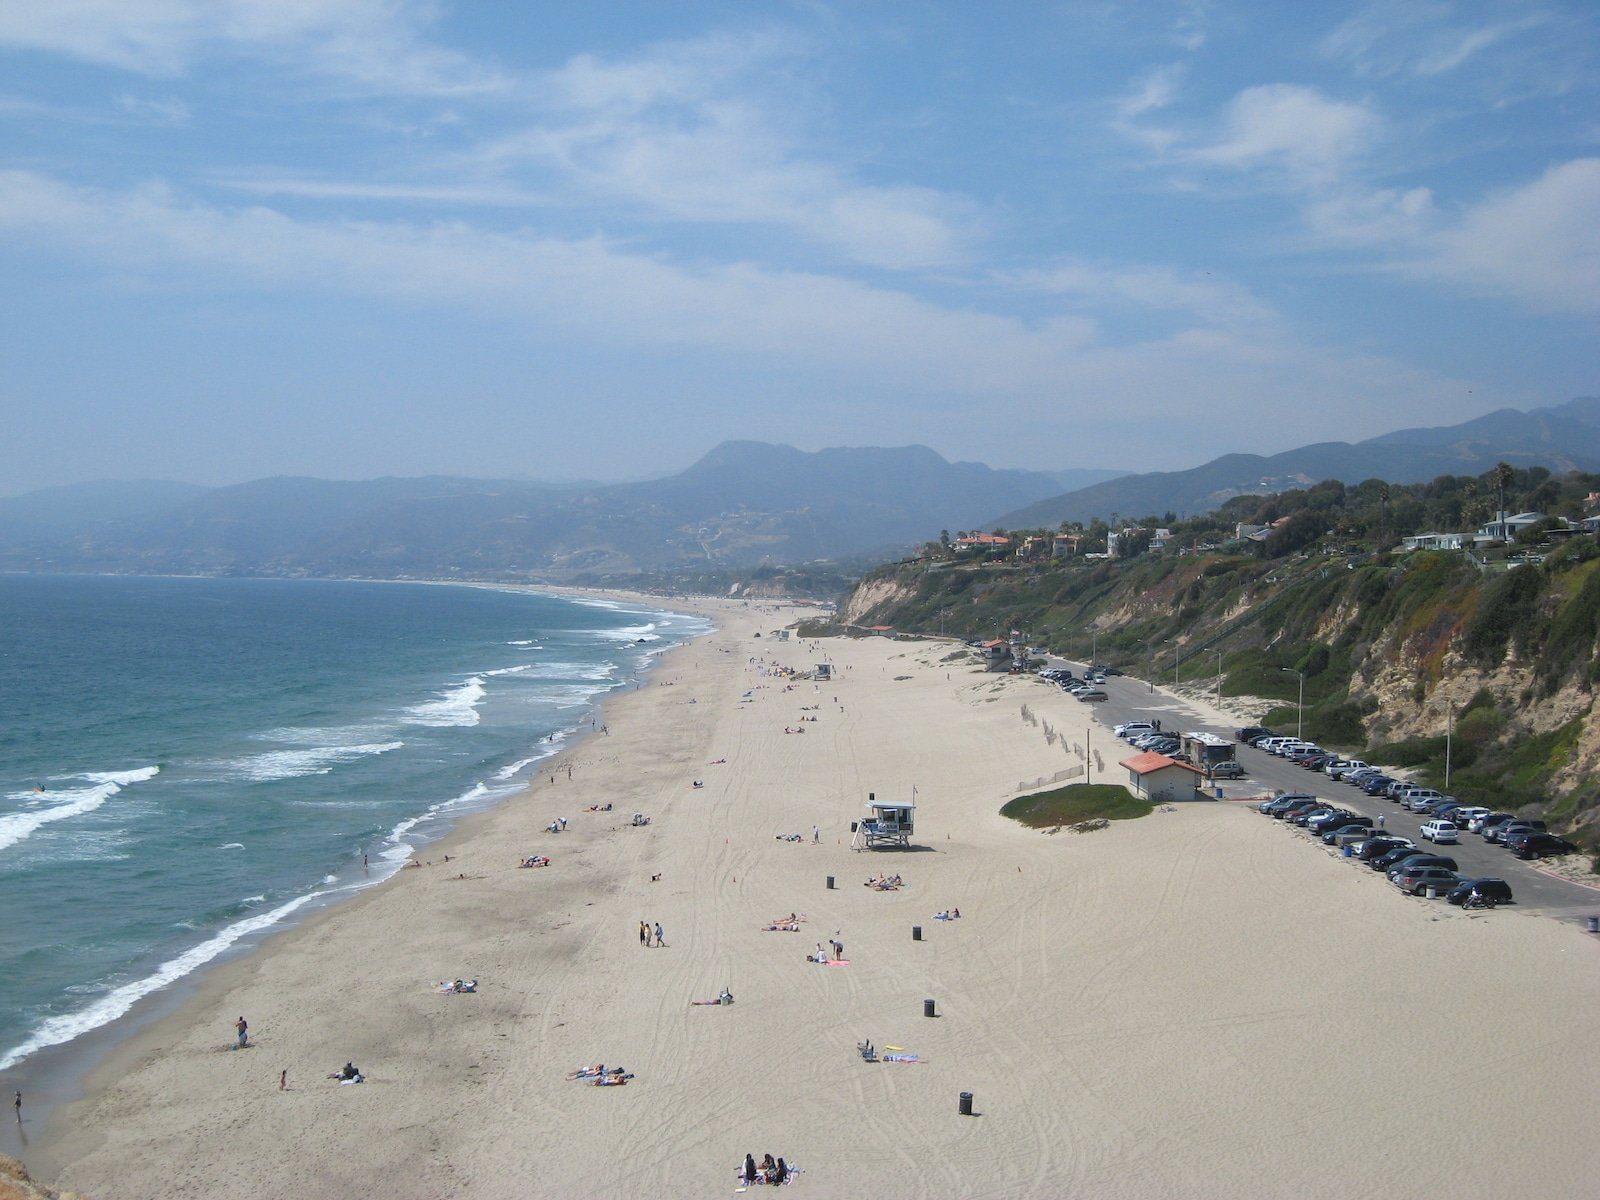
(1134, 700)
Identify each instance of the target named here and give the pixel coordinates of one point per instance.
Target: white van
(1132, 729)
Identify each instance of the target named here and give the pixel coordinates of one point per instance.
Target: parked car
(1501, 834)
(1304, 817)
(1250, 732)
(1231, 769)
(1466, 814)
(1492, 822)
(1375, 785)
(1277, 804)
(1375, 847)
(1089, 695)
(1418, 880)
(1536, 845)
(1105, 670)
(1349, 768)
(1420, 859)
(1440, 831)
(1297, 806)
(1131, 729)
(1352, 830)
(1329, 820)
(1490, 891)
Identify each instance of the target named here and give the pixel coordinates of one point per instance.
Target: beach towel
(902, 1058)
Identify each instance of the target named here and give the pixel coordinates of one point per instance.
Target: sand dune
(1188, 1005)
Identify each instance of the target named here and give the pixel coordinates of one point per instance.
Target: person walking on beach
(660, 940)
(17, 1104)
(644, 934)
(243, 1027)
(816, 835)
(283, 1080)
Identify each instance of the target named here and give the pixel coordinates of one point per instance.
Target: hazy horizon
(362, 238)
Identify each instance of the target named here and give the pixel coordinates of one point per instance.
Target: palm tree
(1503, 476)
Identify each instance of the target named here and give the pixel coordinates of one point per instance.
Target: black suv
(1251, 732)
(1489, 892)
(1535, 844)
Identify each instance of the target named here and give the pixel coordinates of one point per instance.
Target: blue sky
(350, 238)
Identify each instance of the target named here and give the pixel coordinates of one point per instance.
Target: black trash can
(916, 933)
(830, 883)
(927, 1009)
(1594, 924)
(966, 1104)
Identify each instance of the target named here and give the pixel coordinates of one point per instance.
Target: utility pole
(1218, 653)
(1449, 729)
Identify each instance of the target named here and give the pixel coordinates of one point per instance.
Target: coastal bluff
(17, 1184)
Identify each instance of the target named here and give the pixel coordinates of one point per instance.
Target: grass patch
(1077, 802)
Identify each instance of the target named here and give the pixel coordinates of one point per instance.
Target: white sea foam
(596, 672)
(524, 642)
(231, 846)
(512, 770)
(399, 849)
(311, 760)
(68, 802)
(456, 706)
(114, 1004)
(525, 667)
(630, 633)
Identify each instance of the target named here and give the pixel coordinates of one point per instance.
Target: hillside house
(1504, 527)
(1434, 541)
(987, 542)
(1065, 545)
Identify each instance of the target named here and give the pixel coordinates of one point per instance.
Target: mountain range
(1563, 437)
(743, 504)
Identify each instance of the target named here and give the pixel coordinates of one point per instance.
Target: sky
(353, 238)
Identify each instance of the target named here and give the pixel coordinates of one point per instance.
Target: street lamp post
(1300, 706)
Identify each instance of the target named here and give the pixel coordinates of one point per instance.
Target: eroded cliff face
(16, 1184)
(875, 597)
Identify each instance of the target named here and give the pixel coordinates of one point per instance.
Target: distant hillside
(1564, 437)
(743, 504)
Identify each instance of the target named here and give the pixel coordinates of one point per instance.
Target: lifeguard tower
(889, 823)
(822, 671)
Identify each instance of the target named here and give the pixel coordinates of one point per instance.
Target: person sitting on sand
(350, 1074)
(747, 1172)
(769, 1168)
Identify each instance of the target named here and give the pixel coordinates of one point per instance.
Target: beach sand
(1192, 1004)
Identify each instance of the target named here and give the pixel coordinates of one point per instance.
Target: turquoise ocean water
(187, 763)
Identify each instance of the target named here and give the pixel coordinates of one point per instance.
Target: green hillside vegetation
(1327, 597)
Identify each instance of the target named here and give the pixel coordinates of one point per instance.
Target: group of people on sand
(789, 924)
(949, 914)
(599, 1076)
(835, 946)
(606, 807)
(349, 1073)
(770, 1170)
(792, 729)
(885, 883)
(459, 987)
(556, 826)
(651, 935)
(535, 860)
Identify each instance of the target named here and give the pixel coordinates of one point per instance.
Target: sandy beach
(1186, 1005)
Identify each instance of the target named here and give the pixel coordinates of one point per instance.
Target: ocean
(187, 763)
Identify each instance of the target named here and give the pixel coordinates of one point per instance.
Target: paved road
(1136, 700)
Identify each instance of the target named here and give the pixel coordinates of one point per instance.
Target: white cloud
(155, 111)
(1050, 370)
(1152, 93)
(376, 44)
(1294, 128)
(696, 132)
(1539, 242)
(1208, 300)
(399, 193)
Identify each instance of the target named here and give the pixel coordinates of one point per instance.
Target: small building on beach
(1159, 779)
